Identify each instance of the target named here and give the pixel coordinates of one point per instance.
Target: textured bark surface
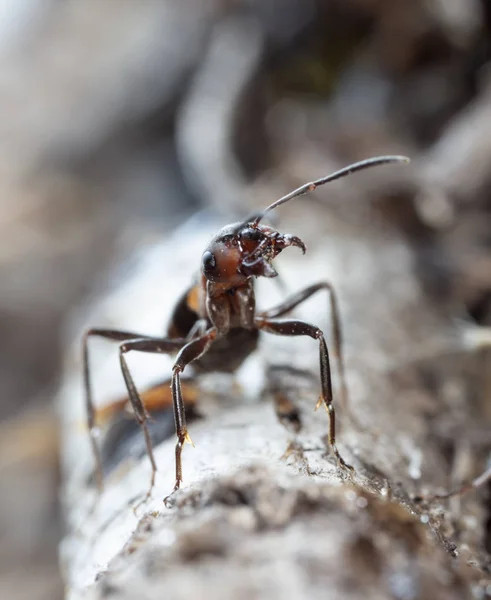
(120, 118)
(255, 520)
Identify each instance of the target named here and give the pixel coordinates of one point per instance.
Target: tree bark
(264, 512)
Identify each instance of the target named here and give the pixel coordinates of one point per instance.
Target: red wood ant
(215, 324)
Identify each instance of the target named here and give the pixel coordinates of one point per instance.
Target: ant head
(244, 249)
(241, 250)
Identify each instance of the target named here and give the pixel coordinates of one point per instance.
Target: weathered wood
(251, 521)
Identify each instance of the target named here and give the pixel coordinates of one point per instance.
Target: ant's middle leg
(294, 300)
(116, 336)
(294, 328)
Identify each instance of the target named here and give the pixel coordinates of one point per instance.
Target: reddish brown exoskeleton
(215, 324)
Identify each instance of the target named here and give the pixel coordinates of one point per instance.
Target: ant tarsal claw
(144, 500)
(347, 467)
(169, 500)
(342, 464)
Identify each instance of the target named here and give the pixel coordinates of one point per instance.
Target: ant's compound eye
(208, 263)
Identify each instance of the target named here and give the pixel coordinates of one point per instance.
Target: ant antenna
(312, 185)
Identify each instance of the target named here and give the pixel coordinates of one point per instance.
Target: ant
(215, 324)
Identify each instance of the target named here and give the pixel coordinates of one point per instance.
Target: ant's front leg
(191, 351)
(294, 328)
(294, 300)
(153, 346)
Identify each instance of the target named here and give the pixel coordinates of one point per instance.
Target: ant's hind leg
(463, 489)
(294, 328)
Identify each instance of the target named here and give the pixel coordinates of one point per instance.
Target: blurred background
(120, 119)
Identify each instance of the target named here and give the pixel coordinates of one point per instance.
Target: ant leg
(154, 346)
(337, 338)
(197, 330)
(293, 328)
(108, 334)
(467, 487)
(191, 351)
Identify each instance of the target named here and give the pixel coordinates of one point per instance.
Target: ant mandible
(215, 324)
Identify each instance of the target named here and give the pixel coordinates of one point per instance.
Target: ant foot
(346, 467)
(428, 498)
(168, 499)
(289, 451)
(143, 501)
(148, 495)
(342, 464)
